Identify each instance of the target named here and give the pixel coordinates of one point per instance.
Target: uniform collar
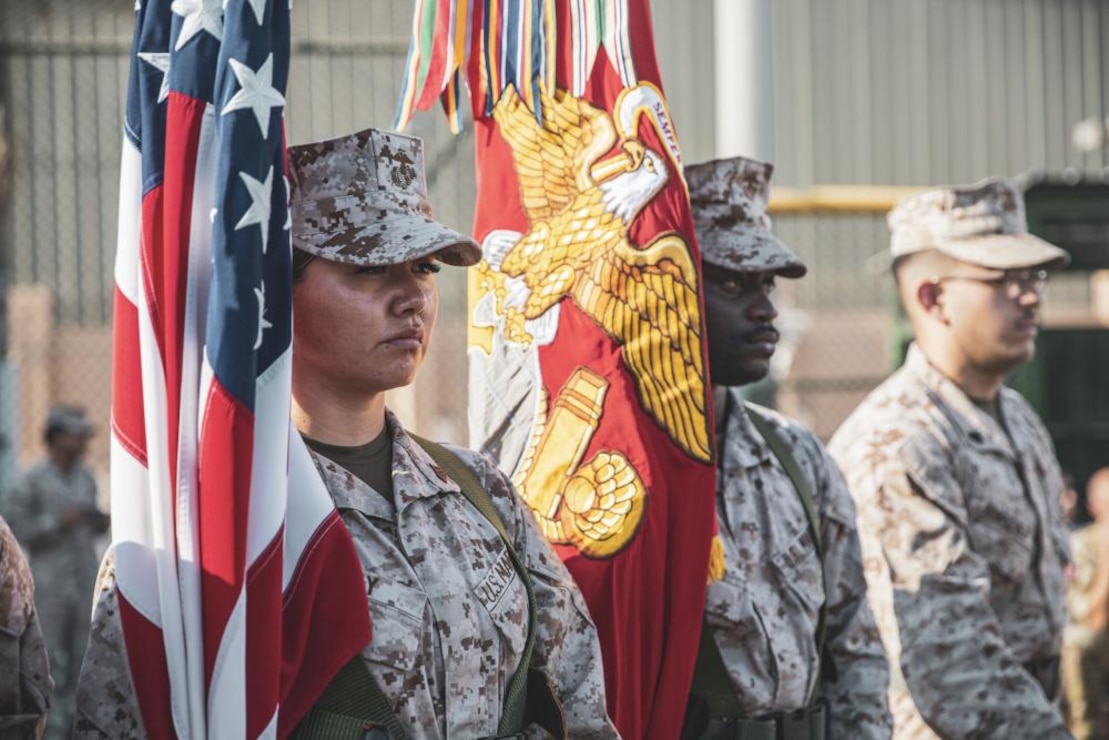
(977, 427)
(415, 477)
(415, 474)
(744, 447)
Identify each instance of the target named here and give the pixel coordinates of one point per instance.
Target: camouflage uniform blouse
(965, 550)
(764, 612)
(25, 683)
(449, 613)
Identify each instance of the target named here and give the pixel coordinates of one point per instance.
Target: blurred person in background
(956, 479)
(1068, 501)
(1086, 639)
(25, 683)
(790, 647)
(53, 513)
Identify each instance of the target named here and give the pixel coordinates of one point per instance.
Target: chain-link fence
(63, 68)
(63, 71)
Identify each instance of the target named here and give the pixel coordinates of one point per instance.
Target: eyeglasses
(1015, 283)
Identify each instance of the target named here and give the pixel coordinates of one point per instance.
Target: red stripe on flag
(167, 257)
(149, 675)
(320, 635)
(263, 635)
(223, 507)
(127, 400)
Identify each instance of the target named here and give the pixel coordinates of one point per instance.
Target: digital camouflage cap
(362, 199)
(69, 420)
(729, 199)
(982, 224)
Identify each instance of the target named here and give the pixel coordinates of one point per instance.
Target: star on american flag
(257, 92)
(160, 62)
(199, 15)
(259, 211)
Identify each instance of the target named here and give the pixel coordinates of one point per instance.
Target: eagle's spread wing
(647, 301)
(552, 160)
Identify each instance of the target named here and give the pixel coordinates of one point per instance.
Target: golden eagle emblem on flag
(580, 205)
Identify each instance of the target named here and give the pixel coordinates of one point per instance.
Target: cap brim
(1006, 251)
(994, 252)
(400, 238)
(747, 253)
(76, 430)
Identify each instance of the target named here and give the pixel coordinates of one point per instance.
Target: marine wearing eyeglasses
(956, 481)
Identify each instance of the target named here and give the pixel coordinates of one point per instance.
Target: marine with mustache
(956, 481)
(790, 648)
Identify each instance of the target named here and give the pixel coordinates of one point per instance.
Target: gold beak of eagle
(632, 154)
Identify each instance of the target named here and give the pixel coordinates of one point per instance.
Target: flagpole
(744, 79)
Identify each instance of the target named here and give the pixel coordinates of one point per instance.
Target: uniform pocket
(553, 574)
(397, 614)
(500, 590)
(801, 572)
(1006, 546)
(745, 640)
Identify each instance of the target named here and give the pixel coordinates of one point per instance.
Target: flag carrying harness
(354, 705)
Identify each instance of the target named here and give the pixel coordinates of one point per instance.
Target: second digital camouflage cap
(362, 199)
(982, 224)
(729, 198)
(69, 420)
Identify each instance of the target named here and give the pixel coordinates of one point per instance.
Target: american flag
(230, 555)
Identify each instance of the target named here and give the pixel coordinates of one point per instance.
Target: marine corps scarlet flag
(588, 379)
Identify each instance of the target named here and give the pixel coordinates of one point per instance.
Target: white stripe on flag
(268, 479)
(227, 691)
(192, 350)
(130, 221)
(308, 505)
(162, 537)
(270, 733)
(132, 538)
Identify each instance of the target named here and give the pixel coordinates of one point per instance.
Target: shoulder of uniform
(891, 430)
(494, 480)
(1013, 403)
(36, 470)
(479, 463)
(792, 431)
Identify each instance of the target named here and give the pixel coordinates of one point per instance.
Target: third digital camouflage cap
(729, 199)
(70, 420)
(982, 224)
(362, 199)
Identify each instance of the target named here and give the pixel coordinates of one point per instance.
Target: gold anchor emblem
(597, 506)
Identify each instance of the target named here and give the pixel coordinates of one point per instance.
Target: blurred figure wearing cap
(53, 513)
(452, 602)
(956, 480)
(793, 650)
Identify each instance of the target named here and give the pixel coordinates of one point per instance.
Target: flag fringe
(491, 45)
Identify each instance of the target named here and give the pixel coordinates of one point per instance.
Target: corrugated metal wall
(66, 66)
(866, 91)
